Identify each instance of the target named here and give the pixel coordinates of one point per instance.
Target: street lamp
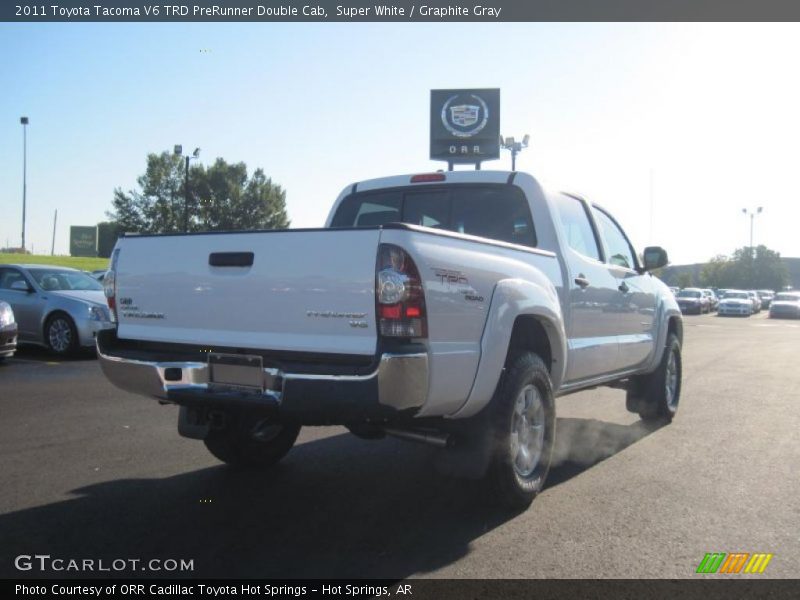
(752, 214)
(24, 122)
(178, 150)
(510, 144)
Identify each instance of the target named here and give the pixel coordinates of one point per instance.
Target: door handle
(581, 281)
(623, 287)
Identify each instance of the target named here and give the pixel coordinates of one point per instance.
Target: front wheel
(254, 444)
(523, 420)
(60, 335)
(655, 396)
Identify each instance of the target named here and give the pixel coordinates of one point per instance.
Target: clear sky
(695, 121)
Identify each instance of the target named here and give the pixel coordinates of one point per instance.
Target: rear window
(498, 212)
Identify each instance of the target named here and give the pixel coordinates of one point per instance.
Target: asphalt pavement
(90, 472)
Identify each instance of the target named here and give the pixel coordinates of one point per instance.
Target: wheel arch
(523, 316)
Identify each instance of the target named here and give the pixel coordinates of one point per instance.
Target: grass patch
(76, 262)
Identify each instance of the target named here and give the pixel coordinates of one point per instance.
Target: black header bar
(401, 10)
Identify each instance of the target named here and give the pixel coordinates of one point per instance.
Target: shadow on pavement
(338, 507)
(30, 352)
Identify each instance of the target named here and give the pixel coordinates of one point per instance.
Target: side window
(619, 250)
(576, 227)
(8, 277)
(495, 212)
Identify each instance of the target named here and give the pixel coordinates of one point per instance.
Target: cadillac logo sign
(465, 125)
(465, 120)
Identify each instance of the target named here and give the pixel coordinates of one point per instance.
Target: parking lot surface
(89, 471)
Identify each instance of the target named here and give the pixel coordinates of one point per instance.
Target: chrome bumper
(399, 383)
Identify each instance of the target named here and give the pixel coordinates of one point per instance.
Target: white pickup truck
(449, 308)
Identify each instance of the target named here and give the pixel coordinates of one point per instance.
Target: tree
(230, 201)
(714, 273)
(107, 234)
(685, 280)
(221, 198)
(748, 268)
(769, 272)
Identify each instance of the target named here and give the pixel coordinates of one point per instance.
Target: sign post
(465, 126)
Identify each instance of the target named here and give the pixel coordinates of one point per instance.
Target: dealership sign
(465, 125)
(83, 241)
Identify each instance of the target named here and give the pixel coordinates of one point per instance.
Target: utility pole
(178, 150)
(752, 214)
(24, 122)
(53, 245)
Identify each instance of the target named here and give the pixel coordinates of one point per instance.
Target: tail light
(400, 298)
(110, 285)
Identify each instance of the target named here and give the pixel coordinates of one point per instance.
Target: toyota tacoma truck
(450, 308)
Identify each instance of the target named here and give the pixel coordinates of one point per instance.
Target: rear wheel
(60, 335)
(655, 396)
(252, 443)
(523, 420)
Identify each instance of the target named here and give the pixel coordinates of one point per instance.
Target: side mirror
(21, 286)
(654, 257)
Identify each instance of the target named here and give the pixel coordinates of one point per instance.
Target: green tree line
(747, 268)
(222, 197)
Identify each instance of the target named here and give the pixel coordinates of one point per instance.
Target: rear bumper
(399, 384)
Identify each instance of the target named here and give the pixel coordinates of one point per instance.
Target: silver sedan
(60, 308)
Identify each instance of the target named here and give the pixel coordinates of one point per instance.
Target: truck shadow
(338, 507)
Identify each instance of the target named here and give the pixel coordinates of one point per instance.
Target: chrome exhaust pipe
(440, 440)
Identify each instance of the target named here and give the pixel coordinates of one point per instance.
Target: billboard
(83, 240)
(465, 125)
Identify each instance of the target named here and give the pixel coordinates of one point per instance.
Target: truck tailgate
(306, 290)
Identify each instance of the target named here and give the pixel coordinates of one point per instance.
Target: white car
(785, 304)
(736, 302)
(756, 300)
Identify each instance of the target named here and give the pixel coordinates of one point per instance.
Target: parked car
(60, 308)
(735, 302)
(99, 274)
(713, 302)
(693, 300)
(766, 297)
(674, 290)
(755, 300)
(8, 331)
(785, 305)
(446, 308)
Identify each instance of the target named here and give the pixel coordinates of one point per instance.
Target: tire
(251, 443)
(655, 397)
(523, 405)
(60, 335)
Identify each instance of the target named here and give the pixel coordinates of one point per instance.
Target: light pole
(196, 154)
(24, 122)
(752, 214)
(510, 144)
